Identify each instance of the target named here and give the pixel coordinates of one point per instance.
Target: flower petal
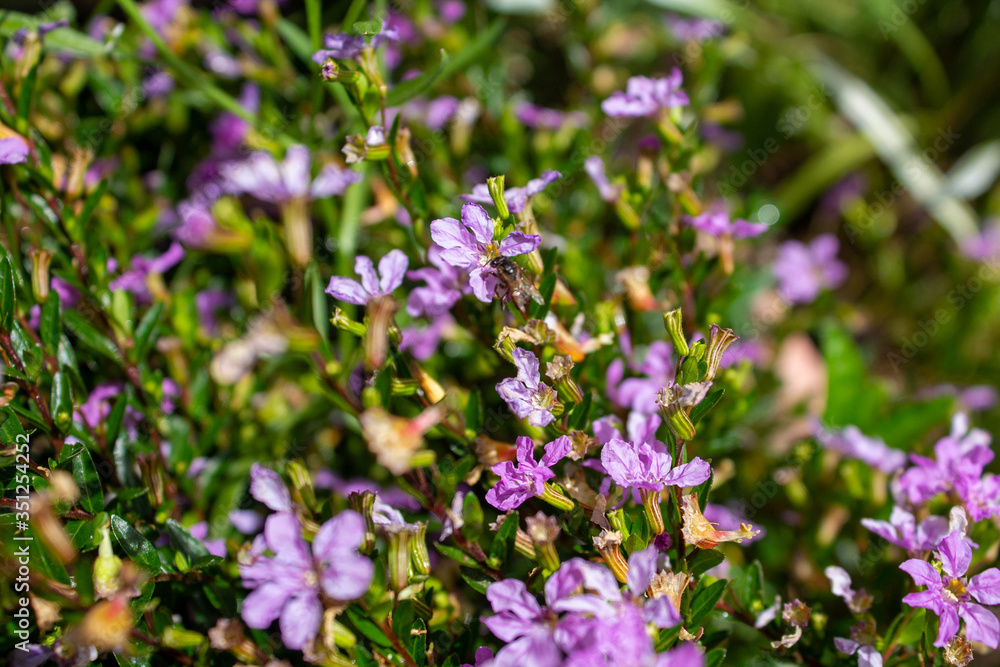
(956, 554)
(923, 573)
(689, 474)
(478, 220)
(300, 619)
(981, 625)
(347, 577)
(364, 267)
(268, 487)
(263, 606)
(512, 596)
(985, 587)
(343, 533)
(347, 290)
(391, 269)
(519, 244)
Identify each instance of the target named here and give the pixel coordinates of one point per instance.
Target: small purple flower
(523, 623)
(267, 179)
(648, 465)
(984, 245)
(208, 302)
(850, 441)
(528, 478)
(391, 270)
(594, 167)
(442, 290)
(199, 531)
(229, 130)
(697, 30)
(531, 115)
(134, 280)
(644, 96)
(959, 460)
(516, 198)
(340, 46)
(422, 342)
(639, 394)
(469, 245)
(13, 150)
(287, 585)
(526, 395)
(715, 221)
(803, 271)
(950, 594)
(840, 583)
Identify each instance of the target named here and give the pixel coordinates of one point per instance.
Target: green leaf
(136, 546)
(86, 477)
(704, 560)
(715, 657)
(61, 403)
(474, 411)
(74, 42)
(366, 627)
(418, 644)
(579, 416)
(851, 397)
(89, 336)
(699, 411)
(476, 578)
(90, 204)
(367, 28)
(503, 541)
(749, 586)
(145, 333)
(8, 302)
(113, 424)
(11, 431)
(192, 548)
(472, 513)
(50, 326)
(297, 39)
(704, 600)
(911, 631)
(457, 555)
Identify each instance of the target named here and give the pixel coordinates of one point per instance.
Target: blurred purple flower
(594, 167)
(267, 487)
(441, 291)
(950, 594)
(262, 176)
(639, 394)
(803, 271)
(986, 244)
(13, 150)
(422, 342)
(391, 270)
(959, 461)
(715, 221)
(287, 585)
(644, 96)
(695, 29)
(851, 442)
(134, 280)
(469, 245)
(528, 478)
(531, 115)
(903, 530)
(526, 395)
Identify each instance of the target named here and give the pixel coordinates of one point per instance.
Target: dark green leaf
(699, 411)
(145, 333)
(8, 302)
(457, 555)
(418, 643)
(703, 560)
(89, 336)
(50, 326)
(579, 416)
(113, 424)
(86, 477)
(136, 546)
(715, 657)
(503, 541)
(476, 578)
(704, 600)
(749, 585)
(366, 627)
(474, 411)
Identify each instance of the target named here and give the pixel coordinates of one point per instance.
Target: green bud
(543, 531)
(674, 323)
(495, 185)
(399, 559)
(106, 566)
(554, 496)
(719, 340)
(617, 519)
(363, 503)
(419, 557)
(651, 507)
(175, 637)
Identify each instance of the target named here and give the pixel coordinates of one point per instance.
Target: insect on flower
(513, 284)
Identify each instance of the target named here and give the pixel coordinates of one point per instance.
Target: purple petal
(556, 450)
(845, 646)
(641, 569)
(364, 267)
(689, 474)
(519, 244)
(956, 554)
(868, 656)
(348, 576)
(267, 487)
(13, 150)
(948, 627)
(263, 606)
(981, 625)
(622, 462)
(343, 533)
(347, 290)
(985, 587)
(332, 180)
(392, 268)
(483, 283)
(301, 619)
(478, 220)
(512, 596)
(923, 573)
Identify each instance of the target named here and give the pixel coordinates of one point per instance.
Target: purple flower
(340, 46)
(715, 221)
(639, 394)
(247, 522)
(743, 350)
(391, 270)
(960, 459)
(287, 585)
(594, 167)
(803, 271)
(134, 280)
(528, 478)
(523, 623)
(208, 302)
(902, 530)
(644, 96)
(985, 244)
(531, 115)
(199, 531)
(13, 150)
(526, 395)
(950, 595)
(850, 441)
(647, 465)
(469, 245)
(516, 198)
(442, 290)
(422, 342)
(697, 30)
(267, 179)
(229, 130)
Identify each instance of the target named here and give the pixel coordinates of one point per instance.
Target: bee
(513, 284)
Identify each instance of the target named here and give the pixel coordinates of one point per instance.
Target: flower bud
(674, 323)
(651, 507)
(543, 531)
(41, 259)
(554, 496)
(106, 566)
(399, 558)
(559, 371)
(404, 150)
(380, 313)
(344, 323)
(719, 340)
(496, 187)
(298, 230)
(420, 559)
(607, 544)
(363, 503)
(175, 637)
(617, 520)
